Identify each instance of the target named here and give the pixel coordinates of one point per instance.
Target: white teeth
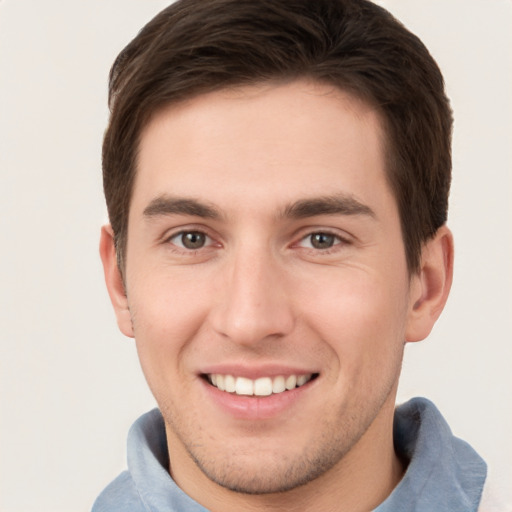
(264, 386)
(278, 385)
(229, 383)
(244, 386)
(220, 382)
(301, 380)
(291, 382)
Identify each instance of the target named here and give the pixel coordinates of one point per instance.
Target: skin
(263, 172)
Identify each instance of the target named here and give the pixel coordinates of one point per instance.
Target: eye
(320, 240)
(192, 240)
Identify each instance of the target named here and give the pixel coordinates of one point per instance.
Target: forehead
(278, 140)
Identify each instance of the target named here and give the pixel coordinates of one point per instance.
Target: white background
(70, 385)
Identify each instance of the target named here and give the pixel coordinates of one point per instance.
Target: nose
(253, 302)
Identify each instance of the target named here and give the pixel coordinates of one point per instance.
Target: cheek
(167, 312)
(360, 315)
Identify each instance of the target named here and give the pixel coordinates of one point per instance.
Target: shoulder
(119, 495)
(444, 473)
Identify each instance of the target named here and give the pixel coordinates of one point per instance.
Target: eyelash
(209, 241)
(337, 242)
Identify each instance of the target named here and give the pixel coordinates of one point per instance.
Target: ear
(431, 285)
(114, 281)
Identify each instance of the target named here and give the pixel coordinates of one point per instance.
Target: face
(266, 284)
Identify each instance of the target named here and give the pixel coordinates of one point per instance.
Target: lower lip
(253, 407)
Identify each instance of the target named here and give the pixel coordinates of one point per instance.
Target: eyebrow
(169, 205)
(339, 204)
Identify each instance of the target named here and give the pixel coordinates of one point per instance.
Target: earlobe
(431, 286)
(114, 281)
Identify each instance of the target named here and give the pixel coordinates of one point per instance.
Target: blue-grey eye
(322, 240)
(191, 239)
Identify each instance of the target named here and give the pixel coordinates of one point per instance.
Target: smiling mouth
(264, 386)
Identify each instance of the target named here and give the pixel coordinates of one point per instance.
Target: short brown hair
(198, 46)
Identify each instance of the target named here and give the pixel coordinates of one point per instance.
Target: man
(277, 175)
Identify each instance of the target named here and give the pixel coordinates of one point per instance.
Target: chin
(270, 471)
